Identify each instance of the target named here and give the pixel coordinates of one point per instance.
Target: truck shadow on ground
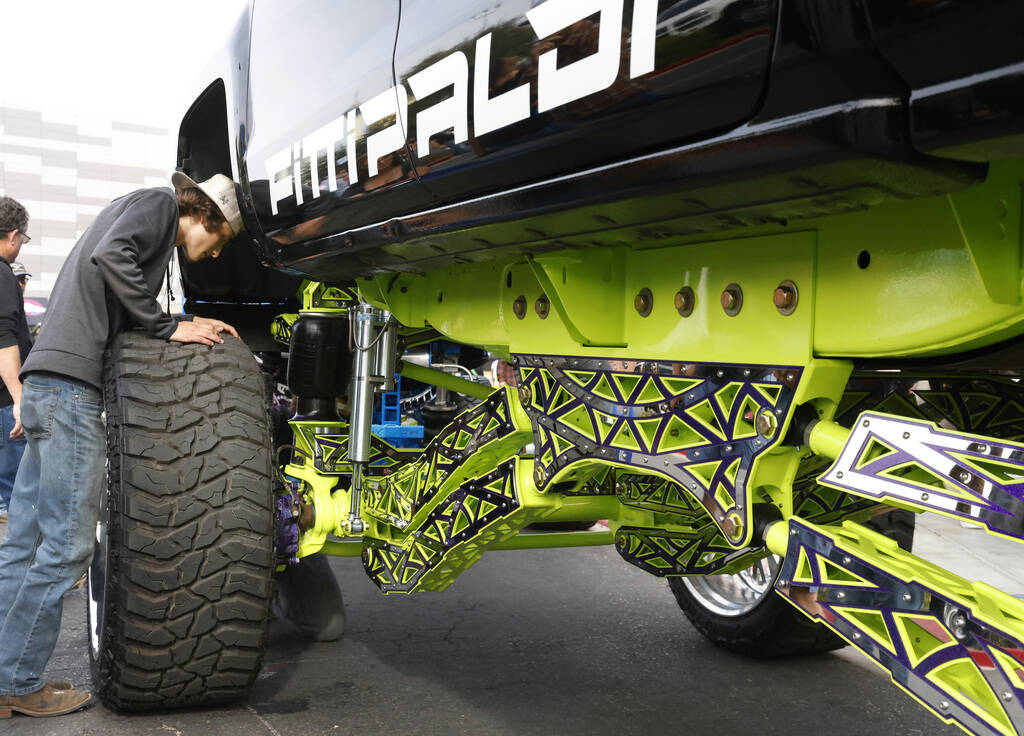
(570, 641)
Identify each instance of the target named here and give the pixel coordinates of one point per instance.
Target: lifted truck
(756, 265)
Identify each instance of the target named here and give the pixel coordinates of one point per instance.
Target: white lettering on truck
(556, 86)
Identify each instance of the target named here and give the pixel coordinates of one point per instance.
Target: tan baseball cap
(221, 190)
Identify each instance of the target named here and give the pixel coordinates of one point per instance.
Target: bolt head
(733, 526)
(684, 301)
(784, 297)
(519, 307)
(728, 299)
(766, 424)
(643, 302)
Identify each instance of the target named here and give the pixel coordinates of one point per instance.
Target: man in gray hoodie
(109, 283)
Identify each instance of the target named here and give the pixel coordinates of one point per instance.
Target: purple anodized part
(978, 479)
(286, 527)
(953, 645)
(692, 423)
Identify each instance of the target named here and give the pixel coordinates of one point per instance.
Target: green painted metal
(940, 274)
(776, 538)
(342, 549)
(827, 439)
(593, 293)
(545, 540)
(944, 273)
(319, 297)
(444, 380)
(911, 278)
(904, 279)
(538, 540)
(900, 610)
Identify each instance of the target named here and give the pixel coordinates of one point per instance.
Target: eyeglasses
(21, 234)
(24, 279)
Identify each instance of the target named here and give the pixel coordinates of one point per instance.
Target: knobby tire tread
(190, 524)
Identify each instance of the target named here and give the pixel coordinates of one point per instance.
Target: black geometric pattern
(597, 481)
(986, 405)
(699, 549)
(463, 518)
(693, 423)
(396, 498)
(955, 646)
(330, 451)
(663, 553)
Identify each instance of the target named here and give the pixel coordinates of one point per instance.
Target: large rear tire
(743, 614)
(180, 585)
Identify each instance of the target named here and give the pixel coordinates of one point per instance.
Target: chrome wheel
(96, 585)
(735, 595)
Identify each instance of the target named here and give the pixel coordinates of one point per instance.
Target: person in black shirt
(14, 345)
(22, 274)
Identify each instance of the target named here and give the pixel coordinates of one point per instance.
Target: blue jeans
(10, 455)
(52, 525)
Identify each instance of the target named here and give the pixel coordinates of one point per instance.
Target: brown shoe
(47, 701)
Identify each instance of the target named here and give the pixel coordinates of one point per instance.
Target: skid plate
(969, 477)
(954, 645)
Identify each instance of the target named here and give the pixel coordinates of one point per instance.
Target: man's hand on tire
(195, 331)
(217, 325)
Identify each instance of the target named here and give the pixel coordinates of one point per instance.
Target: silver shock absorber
(373, 358)
(386, 358)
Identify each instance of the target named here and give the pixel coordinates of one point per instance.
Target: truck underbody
(742, 351)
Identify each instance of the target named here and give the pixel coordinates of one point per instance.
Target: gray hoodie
(109, 282)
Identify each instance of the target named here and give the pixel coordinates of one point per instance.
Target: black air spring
(319, 365)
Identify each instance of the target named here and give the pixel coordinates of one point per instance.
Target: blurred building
(65, 169)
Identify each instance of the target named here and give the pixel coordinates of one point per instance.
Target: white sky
(125, 60)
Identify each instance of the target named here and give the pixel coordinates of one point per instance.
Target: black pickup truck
(754, 267)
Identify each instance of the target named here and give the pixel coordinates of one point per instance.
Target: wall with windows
(65, 169)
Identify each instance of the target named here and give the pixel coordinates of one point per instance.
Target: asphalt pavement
(569, 641)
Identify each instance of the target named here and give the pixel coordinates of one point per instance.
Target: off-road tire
(180, 591)
(774, 628)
